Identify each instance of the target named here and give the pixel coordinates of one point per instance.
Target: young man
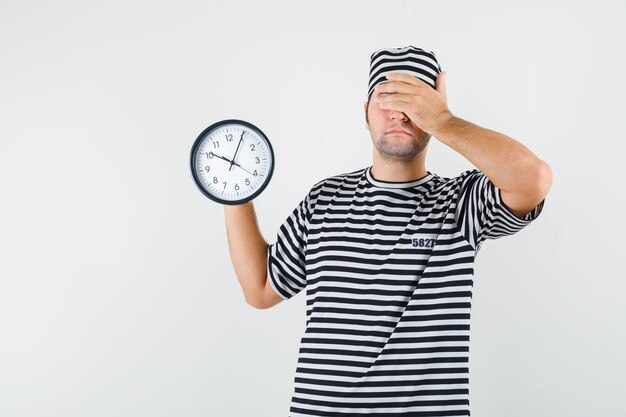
(386, 252)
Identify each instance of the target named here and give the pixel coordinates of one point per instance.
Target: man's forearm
(248, 249)
(506, 162)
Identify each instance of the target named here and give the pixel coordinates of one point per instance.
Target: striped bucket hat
(409, 60)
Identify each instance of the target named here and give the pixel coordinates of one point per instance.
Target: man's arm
(248, 253)
(523, 178)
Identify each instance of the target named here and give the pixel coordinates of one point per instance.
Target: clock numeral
(237, 187)
(224, 184)
(247, 181)
(209, 155)
(256, 159)
(254, 173)
(229, 137)
(252, 146)
(207, 168)
(216, 144)
(214, 180)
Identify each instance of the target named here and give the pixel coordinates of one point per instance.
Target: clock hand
(220, 156)
(235, 163)
(236, 150)
(231, 162)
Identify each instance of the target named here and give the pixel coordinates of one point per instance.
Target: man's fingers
(394, 87)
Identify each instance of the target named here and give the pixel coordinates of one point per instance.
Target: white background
(117, 293)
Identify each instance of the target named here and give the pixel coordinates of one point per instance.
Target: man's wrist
(445, 120)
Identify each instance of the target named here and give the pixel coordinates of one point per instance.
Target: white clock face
(232, 161)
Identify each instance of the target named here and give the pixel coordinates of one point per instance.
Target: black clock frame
(194, 152)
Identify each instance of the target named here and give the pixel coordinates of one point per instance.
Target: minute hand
(236, 150)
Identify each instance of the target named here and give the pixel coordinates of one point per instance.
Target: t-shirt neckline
(396, 184)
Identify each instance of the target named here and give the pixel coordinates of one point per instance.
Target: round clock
(232, 161)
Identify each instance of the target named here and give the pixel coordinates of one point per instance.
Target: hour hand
(220, 156)
(231, 162)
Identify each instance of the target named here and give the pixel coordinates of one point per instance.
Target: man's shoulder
(337, 179)
(462, 175)
(469, 174)
(444, 187)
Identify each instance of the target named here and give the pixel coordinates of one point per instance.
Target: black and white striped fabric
(409, 60)
(387, 268)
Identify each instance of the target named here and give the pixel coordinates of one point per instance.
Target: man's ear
(365, 110)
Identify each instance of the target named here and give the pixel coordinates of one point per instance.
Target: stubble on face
(400, 147)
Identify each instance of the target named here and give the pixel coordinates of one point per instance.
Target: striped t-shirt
(387, 268)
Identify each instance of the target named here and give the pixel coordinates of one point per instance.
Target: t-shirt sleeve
(481, 214)
(285, 257)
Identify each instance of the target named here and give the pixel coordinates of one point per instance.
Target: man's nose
(395, 114)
